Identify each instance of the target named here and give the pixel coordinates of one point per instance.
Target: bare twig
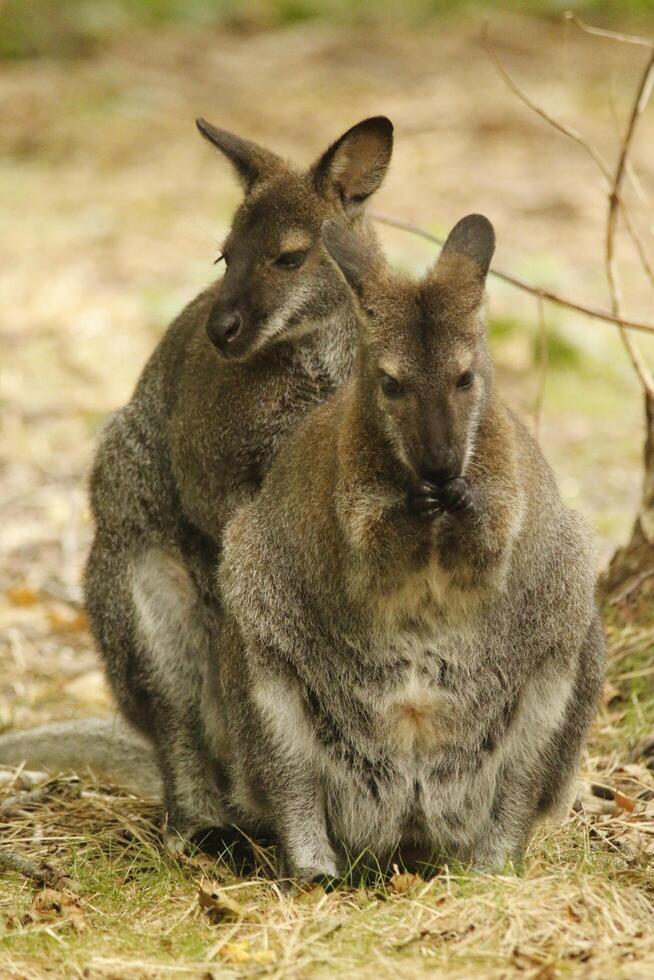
(592, 311)
(641, 99)
(581, 141)
(608, 35)
(41, 872)
(28, 798)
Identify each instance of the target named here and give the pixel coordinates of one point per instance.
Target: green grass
(65, 28)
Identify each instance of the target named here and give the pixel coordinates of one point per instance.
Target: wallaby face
(425, 359)
(278, 280)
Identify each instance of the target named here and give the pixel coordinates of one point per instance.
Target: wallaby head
(278, 279)
(425, 368)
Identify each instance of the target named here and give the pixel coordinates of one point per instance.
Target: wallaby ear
(468, 250)
(251, 162)
(355, 258)
(354, 166)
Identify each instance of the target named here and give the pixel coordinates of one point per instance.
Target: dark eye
(291, 260)
(390, 386)
(465, 380)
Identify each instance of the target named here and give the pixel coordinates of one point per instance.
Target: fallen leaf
(235, 952)
(22, 595)
(402, 882)
(49, 904)
(217, 904)
(264, 957)
(67, 624)
(312, 895)
(624, 802)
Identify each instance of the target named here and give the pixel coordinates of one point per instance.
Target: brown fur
(197, 437)
(412, 655)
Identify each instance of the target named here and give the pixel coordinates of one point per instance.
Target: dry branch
(641, 99)
(40, 872)
(608, 35)
(539, 291)
(615, 186)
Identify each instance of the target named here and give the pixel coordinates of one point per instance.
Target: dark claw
(456, 495)
(423, 500)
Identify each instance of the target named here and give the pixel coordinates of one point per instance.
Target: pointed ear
(251, 162)
(467, 252)
(355, 165)
(356, 260)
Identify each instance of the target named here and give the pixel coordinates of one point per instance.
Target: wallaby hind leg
(152, 630)
(173, 630)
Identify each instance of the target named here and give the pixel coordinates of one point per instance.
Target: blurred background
(112, 210)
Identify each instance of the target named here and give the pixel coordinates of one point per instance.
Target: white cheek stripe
(278, 322)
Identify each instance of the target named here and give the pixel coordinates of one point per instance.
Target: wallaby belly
(444, 739)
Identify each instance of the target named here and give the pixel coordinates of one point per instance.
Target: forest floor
(111, 212)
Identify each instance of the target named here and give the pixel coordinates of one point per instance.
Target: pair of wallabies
(332, 579)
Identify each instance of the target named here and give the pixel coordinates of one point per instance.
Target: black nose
(440, 465)
(224, 327)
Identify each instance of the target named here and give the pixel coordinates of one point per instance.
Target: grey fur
(389, 682)
(196, 439)
(106, 746)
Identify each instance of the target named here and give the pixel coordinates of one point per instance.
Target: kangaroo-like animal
(413, 653)
(234, 373)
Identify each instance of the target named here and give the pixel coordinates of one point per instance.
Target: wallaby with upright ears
(412, 653)
(234, 373)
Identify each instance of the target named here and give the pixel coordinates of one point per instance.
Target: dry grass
(111, 213)
(584, 906)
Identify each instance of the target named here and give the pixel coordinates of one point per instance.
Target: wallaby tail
(107, 747)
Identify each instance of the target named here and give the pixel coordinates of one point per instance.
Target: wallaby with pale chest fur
(412, 654)
(234, 373)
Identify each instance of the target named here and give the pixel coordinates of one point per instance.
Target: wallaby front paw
(424, 501)
(456, 495)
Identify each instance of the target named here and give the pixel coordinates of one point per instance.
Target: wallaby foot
(308, 861)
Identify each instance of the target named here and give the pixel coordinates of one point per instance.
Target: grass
(583, 907)
(69, 28)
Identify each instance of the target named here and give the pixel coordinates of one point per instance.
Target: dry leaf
(235, 952)
(264, 957)
(49, 904)
(22, 595)
(624, 802)
(312, 895)
(217, 904)
(48, 900)
(67, 624)
(402, 882)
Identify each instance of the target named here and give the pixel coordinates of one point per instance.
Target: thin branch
(526, 287)
(641, 99)
(578, 138)
(40, 872)
(581, 141)
(615, 198)
(562, 127)
(27, 798)
(609, 35)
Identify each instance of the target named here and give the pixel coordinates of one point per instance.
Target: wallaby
(412, 653)
(234, 373)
